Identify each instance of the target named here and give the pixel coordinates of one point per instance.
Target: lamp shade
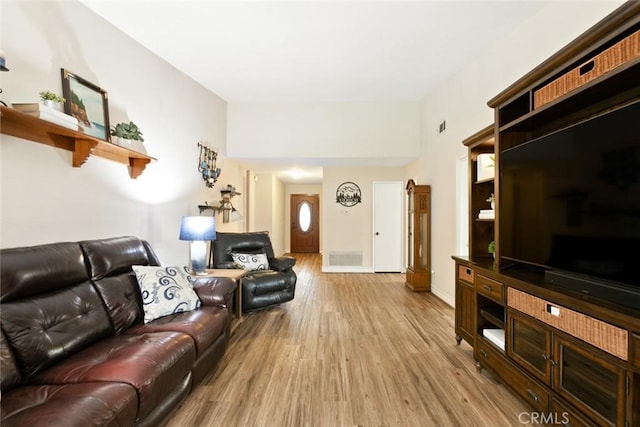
(198, 228)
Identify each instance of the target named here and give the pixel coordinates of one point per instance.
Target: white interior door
(388, 203)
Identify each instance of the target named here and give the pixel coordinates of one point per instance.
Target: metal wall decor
(207, 165)
(348, 194)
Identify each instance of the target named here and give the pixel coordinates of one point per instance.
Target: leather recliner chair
(260, 288)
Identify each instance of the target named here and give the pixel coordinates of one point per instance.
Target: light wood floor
(349, 350)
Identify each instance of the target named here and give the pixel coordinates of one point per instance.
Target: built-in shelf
(230, 193)
(21, 125)
(494, 315)
(482, 181)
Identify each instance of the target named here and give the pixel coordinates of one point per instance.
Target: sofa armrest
(214, 291)
(282, 263)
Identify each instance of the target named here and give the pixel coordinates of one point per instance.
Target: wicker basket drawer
(465, 273)
(490, 288)
(620, 53)
(602, 335)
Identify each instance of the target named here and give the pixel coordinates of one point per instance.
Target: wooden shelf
(494, 316)
(482, 181)
(21, 125)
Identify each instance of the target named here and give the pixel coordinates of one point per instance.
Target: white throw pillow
(251, 262)
(165, 290)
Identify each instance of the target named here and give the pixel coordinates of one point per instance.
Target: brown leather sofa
(74, 350)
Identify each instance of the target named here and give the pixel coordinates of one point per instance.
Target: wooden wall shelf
(21, 125)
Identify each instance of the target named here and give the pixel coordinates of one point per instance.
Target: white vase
(130, 144)
(493, 205)
(122, 142)
(52, 104)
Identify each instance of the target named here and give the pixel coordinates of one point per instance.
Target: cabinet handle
(548, 359)
(587, 67)
(533, 396)
(488, 288)
(484, 354)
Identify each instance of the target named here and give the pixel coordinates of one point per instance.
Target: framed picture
(88, 103)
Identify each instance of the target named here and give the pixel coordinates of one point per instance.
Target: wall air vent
(345, 258)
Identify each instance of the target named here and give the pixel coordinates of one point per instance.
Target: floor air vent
(345, 258)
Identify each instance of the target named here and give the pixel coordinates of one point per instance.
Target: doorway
(388, 202)
(305, 223)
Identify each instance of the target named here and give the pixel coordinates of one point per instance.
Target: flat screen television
(570, 205)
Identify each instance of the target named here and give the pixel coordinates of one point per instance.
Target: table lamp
(199, 230)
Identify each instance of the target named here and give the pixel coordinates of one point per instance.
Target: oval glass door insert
(304, 216)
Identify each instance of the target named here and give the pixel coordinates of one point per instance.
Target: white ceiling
(316, 51)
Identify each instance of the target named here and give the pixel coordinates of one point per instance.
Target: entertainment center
(554, 311)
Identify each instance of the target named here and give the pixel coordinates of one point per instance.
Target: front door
(305, 227)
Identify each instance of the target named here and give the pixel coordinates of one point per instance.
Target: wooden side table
(236, 275)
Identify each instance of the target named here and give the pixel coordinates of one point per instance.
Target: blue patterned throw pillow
(165, 290)
(250, 262)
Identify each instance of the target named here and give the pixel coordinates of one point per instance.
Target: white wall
(332, 130)
(350, 228)
(461, 101)
(263, 202)
(43, 198)
(278, 216)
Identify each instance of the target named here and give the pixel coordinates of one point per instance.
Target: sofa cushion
(109, 262)
(152, 363)
(250, 262)
(204, 326)
(165, 290)
(227, 243)
(8, 368)
(47, 328)
(121, 296)
(104, 404)
(108, 257)
(34, 270)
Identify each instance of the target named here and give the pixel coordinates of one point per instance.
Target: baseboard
(443, 297)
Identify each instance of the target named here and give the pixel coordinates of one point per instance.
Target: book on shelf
(487, 214)
(496, 336)
(43, 110)
(49, 114)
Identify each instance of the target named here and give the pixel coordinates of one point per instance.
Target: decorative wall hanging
(229, 212)
(207, 165)
(348, 194)
(87, 103)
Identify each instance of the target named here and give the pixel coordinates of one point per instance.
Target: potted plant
(128, 135)
(492, 200)
(51, 100)
(491, 248)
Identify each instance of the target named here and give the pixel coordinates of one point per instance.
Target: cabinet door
(566, 416)
(465, 311)
(422, 259)
(530, 345)
(586, 378)
(410, 231)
